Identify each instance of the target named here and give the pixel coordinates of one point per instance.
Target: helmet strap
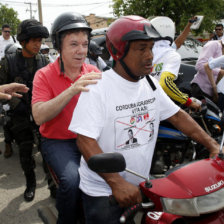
(128, 71)
(62, 65)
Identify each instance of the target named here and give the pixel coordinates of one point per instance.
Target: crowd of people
(82, 107)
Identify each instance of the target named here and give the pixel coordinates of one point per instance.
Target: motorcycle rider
(209, 66)
(166, 62)
(56, 90)
(126, 98)
(44, 49)
(205, 84)
(94, 58)
(20, 67)
(183, 35)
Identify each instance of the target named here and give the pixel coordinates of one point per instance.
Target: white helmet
(44, 47)
(164, 26)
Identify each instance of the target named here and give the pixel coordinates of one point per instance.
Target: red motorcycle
(189, 193)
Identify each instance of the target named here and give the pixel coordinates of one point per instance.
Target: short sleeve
(166, 106)
(89, 114)
(216, 62)
(41, 90)
(172, 64)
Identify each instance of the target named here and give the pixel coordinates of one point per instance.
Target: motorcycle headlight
(195, 206)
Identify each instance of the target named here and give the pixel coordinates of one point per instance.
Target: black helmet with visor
(67, 21)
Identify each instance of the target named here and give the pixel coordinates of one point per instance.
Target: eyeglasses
(218, 29)
(6, 31)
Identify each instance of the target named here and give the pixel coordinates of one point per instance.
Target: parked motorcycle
(188, 194)
(174, 148)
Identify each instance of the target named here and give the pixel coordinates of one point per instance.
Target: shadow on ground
(13, 208)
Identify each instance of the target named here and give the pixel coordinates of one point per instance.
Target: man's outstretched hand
(12, 89)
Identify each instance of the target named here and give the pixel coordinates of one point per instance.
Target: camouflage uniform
(15, 68)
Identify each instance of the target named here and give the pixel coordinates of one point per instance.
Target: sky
(52, 8)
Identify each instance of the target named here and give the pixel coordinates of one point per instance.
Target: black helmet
(95, 48)
(67, 21)
(31, 28)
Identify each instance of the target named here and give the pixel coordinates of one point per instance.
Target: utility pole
(40, 11)
(31, 15)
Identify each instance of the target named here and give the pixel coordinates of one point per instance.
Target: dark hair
(5, 26)
(219, 24)
(31, 28)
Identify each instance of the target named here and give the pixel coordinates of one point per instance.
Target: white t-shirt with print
(169, 61)
(107, 112)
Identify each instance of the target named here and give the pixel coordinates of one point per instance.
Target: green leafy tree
(178, 10)
(9, 16)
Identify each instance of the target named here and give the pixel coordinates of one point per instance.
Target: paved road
(13, 208)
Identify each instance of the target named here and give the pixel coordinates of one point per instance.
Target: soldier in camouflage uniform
(20, 67)
(9, 49)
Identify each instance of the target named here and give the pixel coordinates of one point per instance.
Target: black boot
(29, 193)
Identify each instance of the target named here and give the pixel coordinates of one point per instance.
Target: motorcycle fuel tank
(192, 180)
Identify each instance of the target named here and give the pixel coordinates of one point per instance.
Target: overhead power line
(30, 9)
(57, 5)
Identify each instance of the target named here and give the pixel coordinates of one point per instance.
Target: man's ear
(22, 43)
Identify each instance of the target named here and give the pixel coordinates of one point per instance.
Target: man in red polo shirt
(56, 89)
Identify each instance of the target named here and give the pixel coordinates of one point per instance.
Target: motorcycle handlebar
(196, 114)
(131, 210)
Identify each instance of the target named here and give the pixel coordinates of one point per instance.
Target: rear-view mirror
(107, 163)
